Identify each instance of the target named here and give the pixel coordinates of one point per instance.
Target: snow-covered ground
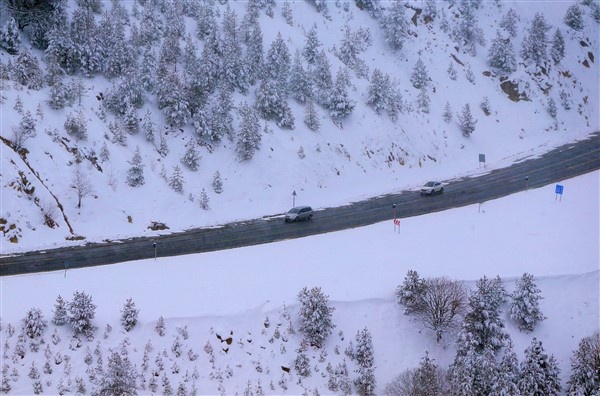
(235, 290)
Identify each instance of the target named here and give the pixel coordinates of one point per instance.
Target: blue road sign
(559, 189)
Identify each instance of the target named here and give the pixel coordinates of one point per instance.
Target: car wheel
(442, 190)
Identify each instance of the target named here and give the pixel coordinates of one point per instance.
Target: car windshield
(429, 184)
(294, 210)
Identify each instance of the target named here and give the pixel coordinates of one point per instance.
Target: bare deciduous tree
(441, 301)
(82, 186)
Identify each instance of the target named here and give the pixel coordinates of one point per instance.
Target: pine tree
(26, 71)
(505, 380)
(509, 22)
(60, 317)
(428, 378)
(364, 357)
(76, 125)
(395, 25)
(24, 131)
(311, 45)
(340, 104)
(378, 92)
(535, 42)
(472, 373)
(466, 121)
(585, 376)
(222, 120)
(135, 174)
(539, 373)
(272, 104)
(419, 77)
(119, 378)
(423, 101)
(467, 32)
(501, 55)
(191, 158)
(557, 51)
(253, 62)
(315, 315)
(176, 179)
(485, 106)
(452, 71)
(287, 13)
(410, 293)
(34, 323)
(322, 77)
(10, 38)
(204, 200)
(81, 311)
(311, 116)
(300, 85)
(129, 315)
(551, 108)
(574, 17)
(302, 364)
(525, 304)
(278, 61)
(249, 136)
(447, 112)
(160, 327)
(217, 183)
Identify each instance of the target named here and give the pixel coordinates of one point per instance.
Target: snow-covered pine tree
(447, 112)
(278, 61)
(217, 183)
(339, 103)
(378, 91)
(395, 103)
(204, 200)
(395, 25)
(509, 22)
(26, 71)
(423, 101)
(160, 327)
(34, 323)
(551, 107)
(429, 10)
(452, 71)
(81, 311)
(119, 378)
(466, 121)
(410, 292)
(343, 378)
(287, 13)
(322, 77)
(60, 317)
(419, 77)
(191, 158)
(129, 314)
(574, 17)
(271, 102)
(557, 51)
(76, 125)
(221, 119)
(10, 37)
(428, 378)
(525, 304)
(539, 374)
(253, 61)
(300, 85)
(535, 42)
(202, 122)
(176, 180)
(311, 116)
(585, 376)
(467, 33)
(24, 131)
(485, 106)
(233, 73)
(311, 45)
(365, 359)
(302, 364)
(501, 55)
(135, 174)
(507, 375)
(472, 373)
(249, 136)
(315, 315)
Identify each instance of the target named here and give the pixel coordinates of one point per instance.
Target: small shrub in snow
(485, 106)
(217, 183)
(160, 326)
(452, 72)
(574, 17)
(315, 315)
(129, 315)
(447, 112)
(34, 323)
(525, 304)
(551, 108)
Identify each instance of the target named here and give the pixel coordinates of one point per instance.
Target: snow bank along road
(567, 161)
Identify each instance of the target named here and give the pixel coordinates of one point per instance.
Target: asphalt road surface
(559, 164)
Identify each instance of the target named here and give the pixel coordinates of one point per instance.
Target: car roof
(300, 207)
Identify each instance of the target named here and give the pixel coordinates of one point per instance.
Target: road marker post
(558, 191)
(154, 246)
(294, 199)
(526, 183)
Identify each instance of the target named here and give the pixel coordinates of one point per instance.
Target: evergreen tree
(34, 323)
(151, 24)
(509, 22)
(467, 32)
(191, 158)
(119, 378)
(60, 317)
(452, 71)
(204, 200)
(585, 376)
(205, 19)
(278, 61)
(311, 116)
(86, 53)
(302, 364)
(410, 292)
(160, 327)
(551, 108)
(501, 55)
(233, 72)
(249, 136)
(539, 373)
(419, 77)
(472, 373)
(25, 130)
(395, 103)
(364, 357)
(176, 179)
(202, 122)
(429, 11)
(272, 104)
(378, 92)
(340, 104)
(10, 38)
(129, 315)
(311, 45)
(217, 183)
(287, 13)
(557, 51)
(300, 85)
(26, 71)
(135, 174)
(81, 311)
(222, 120)
(395, 25)
(423, 101)
(466, 121)
(574, 17)
(76, 125)
(506, 377)
(253, 62)
(428, 378)
(535, 42)
(447, 112)
(322, 77)
(525, 304)
(315, 315)
(352, 44)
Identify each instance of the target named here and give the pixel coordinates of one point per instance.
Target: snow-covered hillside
(345, 159)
